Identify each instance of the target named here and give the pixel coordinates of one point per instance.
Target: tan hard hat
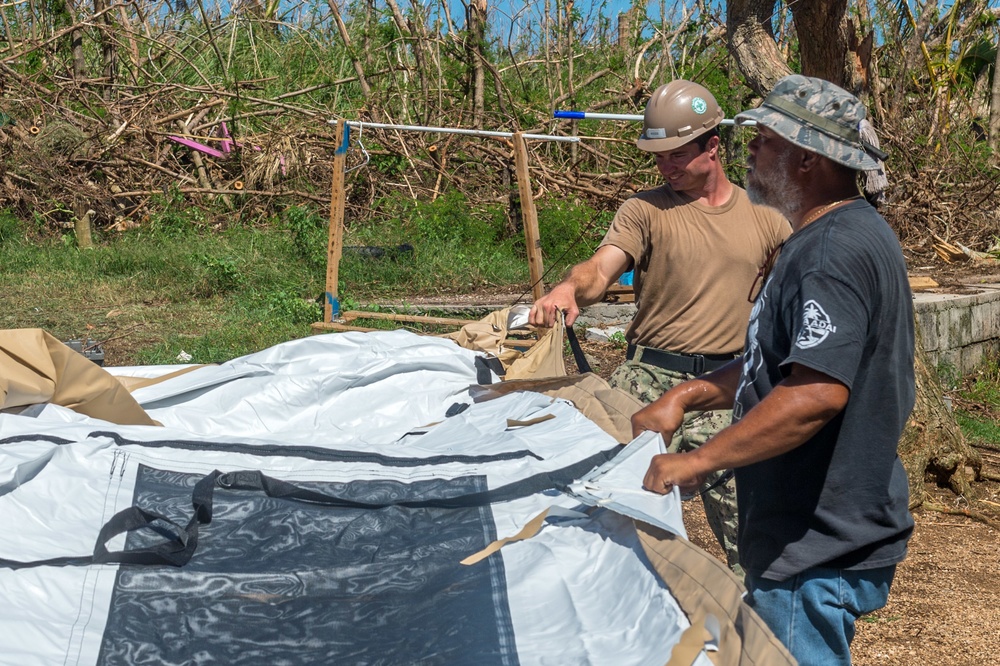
(677, 113)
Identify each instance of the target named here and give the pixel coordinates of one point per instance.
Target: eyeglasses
(763, 272)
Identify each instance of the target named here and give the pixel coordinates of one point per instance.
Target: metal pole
(457, 130)
(586, 115)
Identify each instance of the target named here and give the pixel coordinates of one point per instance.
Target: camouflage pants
(648, 382)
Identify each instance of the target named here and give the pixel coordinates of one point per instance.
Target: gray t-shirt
(838, 301)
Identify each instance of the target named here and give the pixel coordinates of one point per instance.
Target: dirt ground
(944, 607)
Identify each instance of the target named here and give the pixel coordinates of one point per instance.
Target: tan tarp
(37, 368)
(705, 587)
(543, 359)
(608, 407)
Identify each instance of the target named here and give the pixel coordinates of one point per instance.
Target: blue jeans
(813, 613)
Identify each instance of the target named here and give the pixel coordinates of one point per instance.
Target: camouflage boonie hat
(816, 115)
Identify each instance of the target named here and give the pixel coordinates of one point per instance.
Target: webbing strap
(529, 530)
(176, 550)
(581, 359)
(182, 541)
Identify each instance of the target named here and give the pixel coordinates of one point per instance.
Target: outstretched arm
(792, 413)
(716, 390)
(585, 284)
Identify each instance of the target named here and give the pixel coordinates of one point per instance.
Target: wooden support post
(351, 315)
(335, 246)
(530, 217)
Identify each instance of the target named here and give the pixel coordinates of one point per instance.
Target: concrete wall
(959, 329)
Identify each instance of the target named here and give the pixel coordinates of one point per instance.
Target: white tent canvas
(312, 503)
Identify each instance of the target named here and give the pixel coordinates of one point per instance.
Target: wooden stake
(351, 315)
(82, 227)
(340, 328)
(335, 247)
(530, 217)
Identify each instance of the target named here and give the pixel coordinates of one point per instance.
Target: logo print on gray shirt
(816, 325)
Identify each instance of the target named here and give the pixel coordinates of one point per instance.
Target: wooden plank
(335, 244)
(621, 289)
(351, 315)
(922, 282)
(336, 326)
(530, 217)
(620, 293)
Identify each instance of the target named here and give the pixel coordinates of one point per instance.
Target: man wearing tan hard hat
(824, 389)
(695, 244)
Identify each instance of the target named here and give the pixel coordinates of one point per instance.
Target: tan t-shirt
(694, 265)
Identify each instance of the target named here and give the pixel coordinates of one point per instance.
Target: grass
(981, 389)
(176, 286)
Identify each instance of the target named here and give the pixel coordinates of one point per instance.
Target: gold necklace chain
(826, 209)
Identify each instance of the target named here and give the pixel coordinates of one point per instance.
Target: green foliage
(982, 389)
(949, 375)
(618, 341)
(309, 234)
(220, 276)
(450, 218)
(978, 429)
(228, 339)
(285, 306)
(569, 230)
(11, 229)
(388, 164)
(173, 218)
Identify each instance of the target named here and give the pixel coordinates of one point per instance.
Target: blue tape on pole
(347, 139)
(334, 304)
(572, 115)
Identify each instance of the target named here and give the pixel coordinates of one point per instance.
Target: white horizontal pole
(587, 115)
(456, 130)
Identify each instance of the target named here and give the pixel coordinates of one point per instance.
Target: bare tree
(995, 105)
(475, 40)
(358, 69)
(752, 43)
(829, 46)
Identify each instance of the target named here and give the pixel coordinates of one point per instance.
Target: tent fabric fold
(38, 368)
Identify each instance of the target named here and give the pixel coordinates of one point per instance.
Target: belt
(692, 364)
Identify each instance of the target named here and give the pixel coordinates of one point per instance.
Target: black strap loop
(176, 550)
(581, 359)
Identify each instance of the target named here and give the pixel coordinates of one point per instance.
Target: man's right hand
(545, 311)
(665, 416)
(585, 285)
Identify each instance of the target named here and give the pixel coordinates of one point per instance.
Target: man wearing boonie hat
(695, 244)
(824, 389)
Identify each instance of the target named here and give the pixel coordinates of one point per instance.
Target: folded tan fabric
(37, 368)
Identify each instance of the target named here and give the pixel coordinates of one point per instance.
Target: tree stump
(932, 447)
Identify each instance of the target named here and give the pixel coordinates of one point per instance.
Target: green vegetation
(979, 415)
(175, 285)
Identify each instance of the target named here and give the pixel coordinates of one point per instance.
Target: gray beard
(764, 189)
